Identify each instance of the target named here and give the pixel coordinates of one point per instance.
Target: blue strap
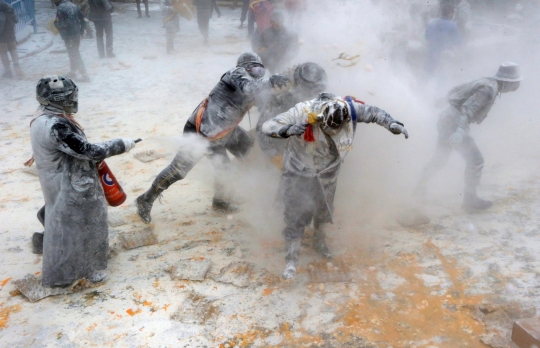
(349, 100)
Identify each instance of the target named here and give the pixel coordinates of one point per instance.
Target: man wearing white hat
(469, 103)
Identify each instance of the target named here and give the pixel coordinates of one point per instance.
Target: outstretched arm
(372, 114)
(77, 146)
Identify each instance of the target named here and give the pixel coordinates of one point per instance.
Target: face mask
(256, 71)
(508, 86)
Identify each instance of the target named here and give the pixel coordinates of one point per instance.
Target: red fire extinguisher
(114, 194)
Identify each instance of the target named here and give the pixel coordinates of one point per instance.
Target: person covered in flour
(309, 80)
(320, 133)
(468, 103)
(215, 121)
(76, 237)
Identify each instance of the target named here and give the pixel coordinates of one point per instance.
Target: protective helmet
(311, 76)
(58, 90)
(335, 115)
(248, 58)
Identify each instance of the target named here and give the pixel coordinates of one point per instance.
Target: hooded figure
(75, 244)
(309, 80)
(320, 133)
(469, 103)
(215, 121)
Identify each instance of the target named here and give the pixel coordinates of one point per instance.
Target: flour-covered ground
(457, 281)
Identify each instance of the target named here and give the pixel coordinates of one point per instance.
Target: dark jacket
(100, 10)
(10, 19)
(69, 20)
(229, 101)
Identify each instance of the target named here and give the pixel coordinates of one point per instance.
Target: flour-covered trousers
(304, 200)
(469, 152)
(239, 144)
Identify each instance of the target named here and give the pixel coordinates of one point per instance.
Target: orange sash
(199, 118)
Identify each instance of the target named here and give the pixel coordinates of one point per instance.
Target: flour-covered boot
(319, 243)
(224, 206)
(472, 202)
(291, 258)
(98, 277)
(146, 201)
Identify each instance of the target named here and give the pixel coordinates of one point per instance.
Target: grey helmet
(58, 90)
(248, 58)
(311, 76)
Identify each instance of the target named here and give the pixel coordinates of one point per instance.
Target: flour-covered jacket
(469, 103)
(322, 157)
(228, 102)
(76, 233)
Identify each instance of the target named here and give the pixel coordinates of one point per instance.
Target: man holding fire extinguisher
(75, 243)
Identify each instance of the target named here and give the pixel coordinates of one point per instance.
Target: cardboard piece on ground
(333, 271)
(148, 156)
(526, 333)
(190, 269)
(30, 286)
(138, 238)
(241, 274)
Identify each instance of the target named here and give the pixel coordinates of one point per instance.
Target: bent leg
(180, 166)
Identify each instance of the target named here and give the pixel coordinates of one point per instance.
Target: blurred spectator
(100, 14)
(84, 6)
(276, 45)
(441, 34)
(262, 10)
(8, 43)
(70, 23)
(205, 8)
(171, 23)
(145, 8)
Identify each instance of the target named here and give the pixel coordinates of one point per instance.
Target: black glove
(279, 81)
(295, 129)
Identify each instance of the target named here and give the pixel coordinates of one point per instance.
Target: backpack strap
(350, 99)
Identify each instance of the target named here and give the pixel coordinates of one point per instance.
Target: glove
(128, 144)
(296, 129)
(398, 128)
(279, 81)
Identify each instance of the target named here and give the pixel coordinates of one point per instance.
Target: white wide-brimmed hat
(508, 71)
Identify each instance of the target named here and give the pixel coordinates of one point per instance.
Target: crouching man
(320, 134)
(75, 244)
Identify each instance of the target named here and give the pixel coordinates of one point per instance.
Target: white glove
(296, 129)
(397, 128)
(128, 144)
